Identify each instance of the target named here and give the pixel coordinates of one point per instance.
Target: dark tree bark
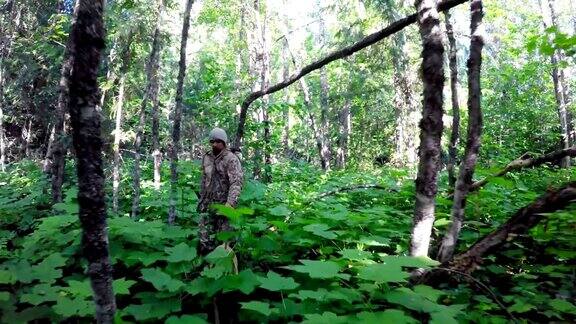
(286, 110)
(455, 133)
(344, 52)
(151, 92)
(175, 145)
(430, 126)
(526, 162)
(474, 131)
(519, 224)
(86, 44)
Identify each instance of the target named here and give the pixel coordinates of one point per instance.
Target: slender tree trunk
(286, 110)
(559, 85)
(265, 82)
(2, 144)
(405, 136)
(86, 44)
(151, 92)
(430, 125)
(175, 145)
(474, 131)
(455, 133)
(344, 137)
(156, 154)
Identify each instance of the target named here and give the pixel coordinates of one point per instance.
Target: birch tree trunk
(474, 131)
(405, 136)
(151, 92)
(175, 145)
(2, 144)
(559, 84)
(455, 133)
(430, 126)
(345, 124)
(86, 43)
(119, 105)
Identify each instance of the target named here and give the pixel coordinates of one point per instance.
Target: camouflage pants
(210, 224)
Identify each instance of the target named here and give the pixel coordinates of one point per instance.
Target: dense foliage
(338, 258)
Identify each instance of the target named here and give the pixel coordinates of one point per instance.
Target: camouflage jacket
(222, 179)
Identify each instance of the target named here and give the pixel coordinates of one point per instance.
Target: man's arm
(236, 177)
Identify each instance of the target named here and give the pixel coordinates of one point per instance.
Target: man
(222, 178)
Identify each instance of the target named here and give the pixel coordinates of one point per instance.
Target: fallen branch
(524, 219)
(526, 162)
(344, 52)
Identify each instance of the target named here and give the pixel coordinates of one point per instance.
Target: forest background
(330, 161)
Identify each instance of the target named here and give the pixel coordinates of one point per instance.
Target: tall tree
(177, 116)
(474, 131)
(86, 44)
(119, 111)
(430, 126)
(151, 93)
(324, 96)
(405, 105)
(559, 82)
(455, 133)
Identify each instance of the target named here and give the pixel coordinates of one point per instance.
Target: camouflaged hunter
(222, 179)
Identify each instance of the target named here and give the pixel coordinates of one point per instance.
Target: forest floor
(307, 251)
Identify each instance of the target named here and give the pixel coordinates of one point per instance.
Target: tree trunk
(559, 85)
(430, 126)
(286, 110)
(2, 144)
(455, 133)
(336, 55)
(118, 134)
(344, 134)
(175, 145)
(151, 92)
(86, 43)
(265, 82)
(474, 131)
(405, 137)
(324, 100)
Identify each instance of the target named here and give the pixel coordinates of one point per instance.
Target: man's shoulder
(228, 156)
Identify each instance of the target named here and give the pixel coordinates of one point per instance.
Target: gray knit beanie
(218, 134)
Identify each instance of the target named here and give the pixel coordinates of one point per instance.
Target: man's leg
(205, 231)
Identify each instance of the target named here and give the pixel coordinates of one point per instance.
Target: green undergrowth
(340, 258)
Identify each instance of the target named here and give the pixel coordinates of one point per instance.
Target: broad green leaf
(186, 319)
(80, 289)
(317, 269)
(41, 293)
(146, 258)
(383, 273)
(320, 230)
(275, 282)
(257, 306)
(280, 210)
(46, 271)
(121, 286)
(6, 277)
(564, 306)
(70, 307)
(521, 306)
(181, 252)
(388, 316)
(161, 280)
(355, 255)
(246, 281)
(157, 310)
(428, 292)
(326, 317)
(319, 294)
